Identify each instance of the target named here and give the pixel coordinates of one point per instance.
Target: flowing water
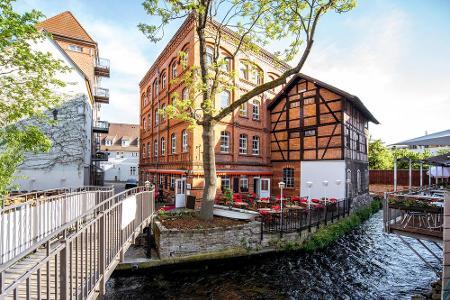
(365, 264)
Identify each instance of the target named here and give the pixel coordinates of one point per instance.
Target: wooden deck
(415, 232)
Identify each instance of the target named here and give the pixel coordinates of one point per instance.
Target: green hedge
(323, 237)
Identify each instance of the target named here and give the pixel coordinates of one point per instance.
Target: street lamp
(281, 185)
(309, 184)
(325, 184)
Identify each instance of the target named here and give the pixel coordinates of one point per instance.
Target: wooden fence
(387, 177)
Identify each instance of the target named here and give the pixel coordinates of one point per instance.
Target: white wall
(71, 135)
(318, 171)
(119, 166)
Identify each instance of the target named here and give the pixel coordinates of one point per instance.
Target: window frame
(163, 146)
(288, 177)
(173, 140)
(256, 140)
(184, 140)
(256, 110)
(243, 143)
(224, 142)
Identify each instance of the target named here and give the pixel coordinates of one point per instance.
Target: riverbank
(363, 264)
(315, 238)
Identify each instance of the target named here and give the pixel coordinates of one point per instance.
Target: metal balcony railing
(102, 63)
(100, 156)
(101, 126)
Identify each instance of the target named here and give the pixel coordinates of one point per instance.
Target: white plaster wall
(62, 174)
(318, 171)
(119, 165)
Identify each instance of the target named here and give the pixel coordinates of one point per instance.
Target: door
(264, 189)
(256, 185)
(236, 185)
(180, 192)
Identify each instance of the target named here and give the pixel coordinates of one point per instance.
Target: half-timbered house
(319, 140)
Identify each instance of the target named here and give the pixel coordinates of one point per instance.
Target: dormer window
(75, 48)
(108, 142)
(125, 143)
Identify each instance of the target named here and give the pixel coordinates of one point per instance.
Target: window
(288, 177)
(163, 112)
(225, 99)
(155, 148)
(108, 142)
(243, 71)
(156, 117)
(255, 114)
(161, 180)
(174, 143)
(184, 140)
(225, 183)
(358, 180)
(311, 132)
(155, 88)
(145, 100)
(243, 144)
(163, 146)
(224, 141)
(125, 142)
(257, 76)
(255, 145)
(174, 101)
(184, 59)
(185, 94)
(172, 182)
(163, 80)
(272, 78)
(149, 122)
(226, 67)
(75, 48)
(148, 149)
(209, 56)
(144, 124)
(132, 171)
(244, 184)
(174, 69)
(243, 110)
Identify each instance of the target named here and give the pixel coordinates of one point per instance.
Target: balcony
(101, 127)
(101, 95)
(100, 156)
(102, 67)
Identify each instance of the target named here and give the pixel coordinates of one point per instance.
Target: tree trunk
(209, 166)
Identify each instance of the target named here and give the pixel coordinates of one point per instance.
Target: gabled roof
(352, 98)
(65, 24)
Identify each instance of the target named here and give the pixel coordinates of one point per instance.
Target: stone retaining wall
(360, 201)
(177, 243)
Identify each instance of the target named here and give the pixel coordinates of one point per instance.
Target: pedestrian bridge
(65, 243)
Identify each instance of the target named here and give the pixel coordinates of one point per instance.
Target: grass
(323, 237)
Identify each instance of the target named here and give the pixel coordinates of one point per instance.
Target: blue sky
(394, 55)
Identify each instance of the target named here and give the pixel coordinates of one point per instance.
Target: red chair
(276, 207)
(315, 200)
(332, 200)
(264, 199)
(303, 200)
(295, 199)
(263, 212)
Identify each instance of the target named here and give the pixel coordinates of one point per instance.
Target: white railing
(35, 216)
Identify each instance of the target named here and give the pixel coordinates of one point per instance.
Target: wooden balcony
(413, 216)
(101, 95)
(101, 67)
(101, 127)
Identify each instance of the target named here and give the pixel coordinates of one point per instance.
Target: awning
(437, 138)
(164, 171)
(237, 173)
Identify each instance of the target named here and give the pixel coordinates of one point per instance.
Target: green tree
(27, 81)
(403, 155)
(257, 22)
(380, 157)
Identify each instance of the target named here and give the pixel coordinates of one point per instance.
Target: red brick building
(171, 155)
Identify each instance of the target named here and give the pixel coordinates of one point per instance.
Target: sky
(393, 54)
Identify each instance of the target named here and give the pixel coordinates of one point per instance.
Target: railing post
(101, 258)
(64, 270)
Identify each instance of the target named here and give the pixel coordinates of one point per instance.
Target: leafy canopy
(27, 81)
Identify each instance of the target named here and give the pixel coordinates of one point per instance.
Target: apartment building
(122, 146)
(74, 159)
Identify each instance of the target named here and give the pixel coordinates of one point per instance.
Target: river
(365, 264)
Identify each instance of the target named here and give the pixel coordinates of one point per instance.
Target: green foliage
(325, 236)
(27, 80)
(380, 157)
(443, 151)
(228, 196)
(408, 154)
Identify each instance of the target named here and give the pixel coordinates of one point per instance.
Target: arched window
(144, 124)
(163, 112)
(242, 144)
(174, 101)
(174, 143)
(149, 122)
(255, 110)
(224, 141)
(155, 147)
(255, 145)
(358, 180)
(163, 146)
(227, 66)
(144, 99)
(288, 177)
(163, 80)
(244, 70)
(148, 150)
(155, 88)
(349, 183)
(272, 78)
(184, 140)
(156, 117)
(184, 58)
(257, 76)
(225, 97)
(185, 94)
(174, 69)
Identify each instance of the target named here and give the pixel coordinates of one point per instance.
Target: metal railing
(29, 218)
(292, 220)
(76, 261)
(102, 63)
(101, 125)
(408, 213)
(101, 92)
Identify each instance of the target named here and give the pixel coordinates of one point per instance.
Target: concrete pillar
(446, 244)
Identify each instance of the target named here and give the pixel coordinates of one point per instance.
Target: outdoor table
(262, 202)
(298, 207)
(241, 204)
